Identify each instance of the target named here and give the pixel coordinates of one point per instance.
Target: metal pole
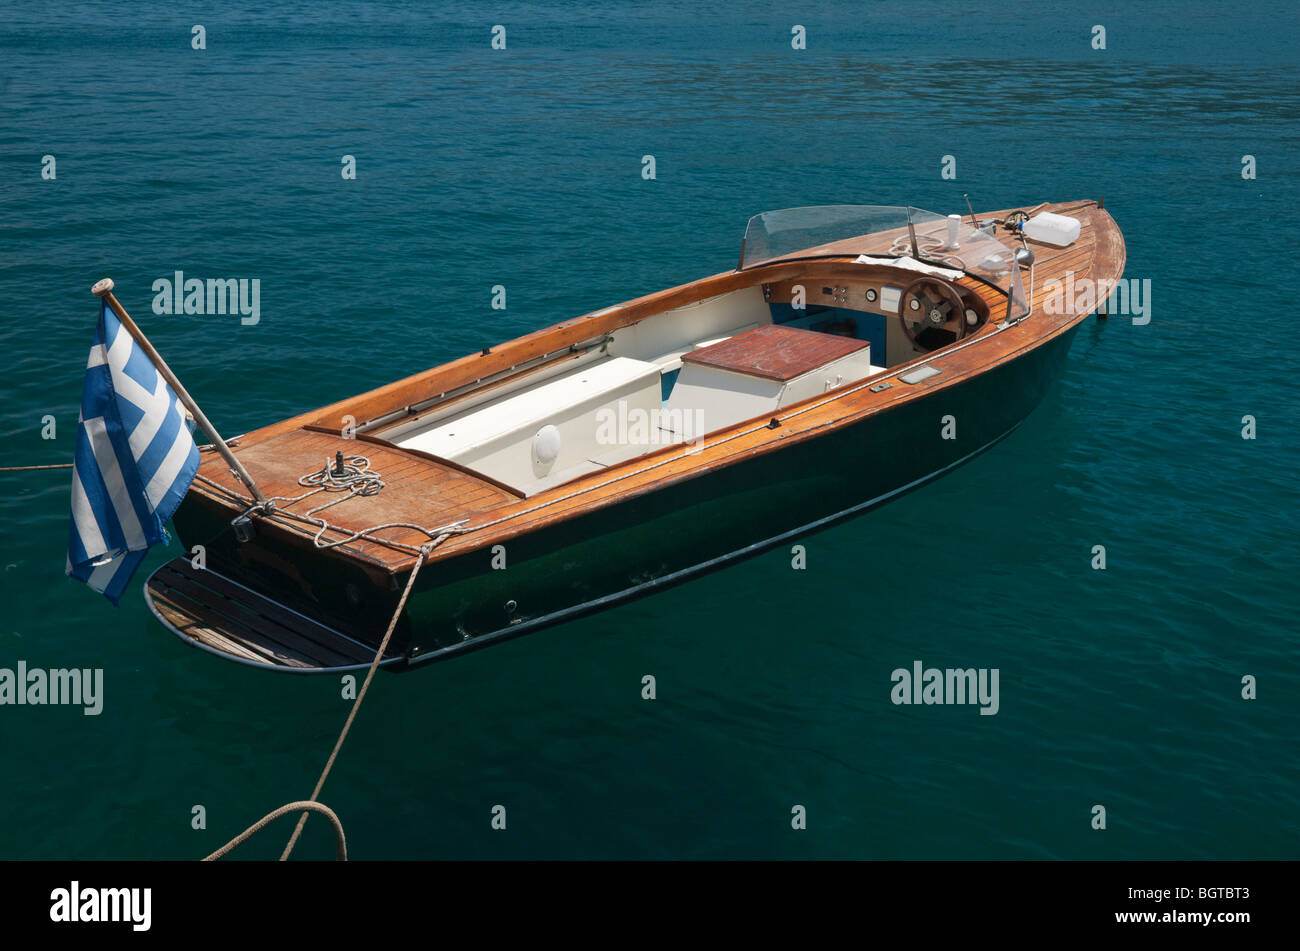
(104, 289)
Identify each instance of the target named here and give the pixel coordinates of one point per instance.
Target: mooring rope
(307, 806)
(61, 465)
(356, 705)
(304, 804)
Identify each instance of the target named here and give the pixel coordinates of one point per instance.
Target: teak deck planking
(216, 613)
(431, 493)
(413, 483)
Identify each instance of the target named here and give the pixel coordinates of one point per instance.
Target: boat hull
(648, 542)
(507, 549)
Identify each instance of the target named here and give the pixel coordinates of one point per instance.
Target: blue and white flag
(135, 459)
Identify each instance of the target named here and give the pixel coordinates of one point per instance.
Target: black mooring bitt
(243, 527)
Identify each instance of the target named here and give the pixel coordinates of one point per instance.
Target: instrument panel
(934, 317)
(872, 296)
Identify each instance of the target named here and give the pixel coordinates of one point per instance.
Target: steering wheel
(929, 302)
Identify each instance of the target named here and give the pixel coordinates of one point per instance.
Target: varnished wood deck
(431, 493)
(417, 488)
(213, 612)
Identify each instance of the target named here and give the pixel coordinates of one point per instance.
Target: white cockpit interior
(669, 378)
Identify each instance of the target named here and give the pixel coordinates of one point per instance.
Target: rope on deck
(368, 483)
(308, 806)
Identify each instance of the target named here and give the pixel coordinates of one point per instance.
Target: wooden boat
(615, 454)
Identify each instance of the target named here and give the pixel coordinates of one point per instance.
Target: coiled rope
(933, 248)
(350, 474)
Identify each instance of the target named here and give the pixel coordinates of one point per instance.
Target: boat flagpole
(104, 290)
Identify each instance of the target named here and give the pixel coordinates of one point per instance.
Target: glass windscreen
(882, 231)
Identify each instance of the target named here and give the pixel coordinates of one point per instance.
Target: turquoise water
(522, 167)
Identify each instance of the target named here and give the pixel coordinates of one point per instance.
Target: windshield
(881, 231)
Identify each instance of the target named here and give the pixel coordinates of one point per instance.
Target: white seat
(497, 438)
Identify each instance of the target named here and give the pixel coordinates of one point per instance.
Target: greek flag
(135, 458)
